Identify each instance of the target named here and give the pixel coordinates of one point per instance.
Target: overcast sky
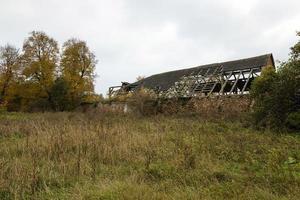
(143, 37)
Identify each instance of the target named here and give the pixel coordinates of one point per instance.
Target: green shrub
(274, 93)
(293, 120)
(268, 108)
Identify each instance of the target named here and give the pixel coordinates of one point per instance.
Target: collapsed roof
(167, 79)
(217, 75)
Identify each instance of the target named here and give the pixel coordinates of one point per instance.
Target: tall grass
(94, 156)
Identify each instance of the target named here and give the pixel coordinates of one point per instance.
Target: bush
(59, 92)
(145, 101)
(293, 120)
(263, 91)
(274, 93)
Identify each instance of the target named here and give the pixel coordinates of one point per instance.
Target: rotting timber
(227, 78)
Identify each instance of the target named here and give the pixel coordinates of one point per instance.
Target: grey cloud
(142, 37)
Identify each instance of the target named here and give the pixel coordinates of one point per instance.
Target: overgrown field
(94, 156)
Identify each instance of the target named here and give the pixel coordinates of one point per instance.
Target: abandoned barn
(226, 78)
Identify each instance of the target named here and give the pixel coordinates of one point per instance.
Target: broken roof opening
(232, 77)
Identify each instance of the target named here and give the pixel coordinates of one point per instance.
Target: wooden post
(223, 86)
(209, 79)
(235, 82)
(247, 81)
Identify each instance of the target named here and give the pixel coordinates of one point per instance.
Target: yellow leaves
(40, 56)
(9, 66)
(78, 64)
(37, 69)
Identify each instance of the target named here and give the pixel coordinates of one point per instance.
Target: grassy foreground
(77, 156)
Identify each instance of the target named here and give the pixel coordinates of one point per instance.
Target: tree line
(42, 77)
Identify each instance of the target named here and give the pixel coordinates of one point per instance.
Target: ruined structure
(227, 78)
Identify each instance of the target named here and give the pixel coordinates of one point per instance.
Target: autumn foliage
(44, 77)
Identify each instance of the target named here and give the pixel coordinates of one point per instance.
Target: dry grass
(92, 156)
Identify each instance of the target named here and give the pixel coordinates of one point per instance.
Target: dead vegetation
(116, 156)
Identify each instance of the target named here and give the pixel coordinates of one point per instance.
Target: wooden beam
(196, 77)
(216, 81)
(201, 79)
(224, 84)
(235, 82)
(247, 81)
(212, 89)
(210, 79)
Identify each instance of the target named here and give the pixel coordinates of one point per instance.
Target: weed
(117, 156)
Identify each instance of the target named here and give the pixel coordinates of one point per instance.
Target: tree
(275, 93)
(263, 90)
(40, 58)
(295, 51)
(36, 80)
(59, 93)
(78, 69)
(9, 68)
